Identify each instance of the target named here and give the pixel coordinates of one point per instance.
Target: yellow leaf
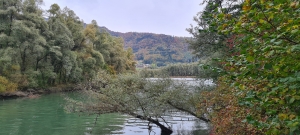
(278, 7)
(242, 87)
(276, 99)
(265, 89)
(253, 23)
(261, 21)
(246, 8)
(282, 116)
(271, 17)
(292, 116)
(224, 26)
(281, 102)
(228, 16)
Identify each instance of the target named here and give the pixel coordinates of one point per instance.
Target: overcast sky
(169, 17)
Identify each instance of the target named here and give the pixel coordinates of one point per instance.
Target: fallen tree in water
(141, 98)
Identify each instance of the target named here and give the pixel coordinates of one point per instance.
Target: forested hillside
(155, 48)
(38, 52)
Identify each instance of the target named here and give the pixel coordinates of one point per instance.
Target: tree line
(47, 48)
(181, 70)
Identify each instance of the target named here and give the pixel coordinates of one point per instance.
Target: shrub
(6, 85)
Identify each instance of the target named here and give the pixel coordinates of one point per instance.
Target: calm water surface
(45, 115)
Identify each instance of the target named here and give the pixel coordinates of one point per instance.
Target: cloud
(170, 17)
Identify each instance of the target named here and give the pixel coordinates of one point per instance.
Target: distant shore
(183, 77)
(34, 92)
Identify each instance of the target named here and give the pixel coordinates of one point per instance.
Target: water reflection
(181, 123)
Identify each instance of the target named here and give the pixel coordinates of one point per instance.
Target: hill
(155, 48)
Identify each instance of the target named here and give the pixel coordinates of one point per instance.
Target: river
(45, 115)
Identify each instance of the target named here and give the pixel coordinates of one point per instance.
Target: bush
(6, 85)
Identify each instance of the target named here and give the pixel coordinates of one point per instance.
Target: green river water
(45, 115)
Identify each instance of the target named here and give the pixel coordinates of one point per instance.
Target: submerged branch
(190, 112)
(164, 129)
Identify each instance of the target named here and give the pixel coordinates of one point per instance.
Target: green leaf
(280, 1)
(250, 58)
(295, 48)
(266, 48)
(278, 43)
(276, 68)
(271, 53)
(297, 97)
(294, 31)
(268, 66)
(271, 112)
(281, 102)
(273, 40)
(292, 100)
(242, 87)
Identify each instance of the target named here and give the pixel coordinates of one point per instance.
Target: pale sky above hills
(169, 17)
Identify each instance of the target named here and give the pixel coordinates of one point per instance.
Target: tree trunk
(184, 110)
(164, 129)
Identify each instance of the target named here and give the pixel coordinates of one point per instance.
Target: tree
(39, 52)
(206, 39)
(138, 97)
(209, 45)
(262, 76)
(130, 61)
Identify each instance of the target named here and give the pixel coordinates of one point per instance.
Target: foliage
(206, 40)
(263, 73)
(226, 115)
(183, 70)
(209, 45)
(6, 86)
(142, 98)
(39, 52)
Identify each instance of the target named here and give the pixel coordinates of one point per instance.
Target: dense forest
(36, 52)
(157, 49)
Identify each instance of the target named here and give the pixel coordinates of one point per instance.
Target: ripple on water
(46, 116)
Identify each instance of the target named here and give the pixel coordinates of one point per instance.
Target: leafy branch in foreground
(264, 75)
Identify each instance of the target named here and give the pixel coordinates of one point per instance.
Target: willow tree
(117, 60)
(8, 56)
(9, 11)
(26, 34)
(75, 25)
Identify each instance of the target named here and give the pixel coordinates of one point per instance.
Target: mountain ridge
(150, 48)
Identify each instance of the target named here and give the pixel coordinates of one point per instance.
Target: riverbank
(35, 92)
(183, 76)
